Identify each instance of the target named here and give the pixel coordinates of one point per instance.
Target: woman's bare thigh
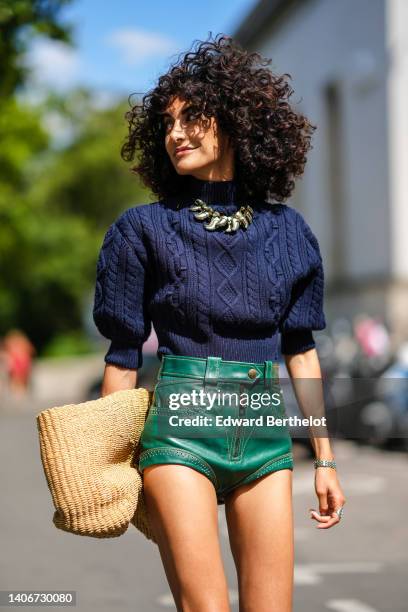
(182, 507)
(260, 525)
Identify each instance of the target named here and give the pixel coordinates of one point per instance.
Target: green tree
(87, 177)
(20, 21)
(55, 206)
(56, 201)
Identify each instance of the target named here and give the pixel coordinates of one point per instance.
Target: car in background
(384, 420)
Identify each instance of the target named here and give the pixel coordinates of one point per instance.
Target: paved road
(359, 566)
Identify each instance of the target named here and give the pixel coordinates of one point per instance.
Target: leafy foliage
(62, 182)
(55, 206)
(20, 20)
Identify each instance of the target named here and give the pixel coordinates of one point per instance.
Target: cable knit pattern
(274, 270)
(120, 293)
(199, 297)
(208, 293)
(227, 271)
(305, 310)
(177, 267)
(251, 276)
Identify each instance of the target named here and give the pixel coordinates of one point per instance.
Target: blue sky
(123, 46)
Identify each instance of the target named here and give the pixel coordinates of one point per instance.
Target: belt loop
(268, 369)
(212, 369)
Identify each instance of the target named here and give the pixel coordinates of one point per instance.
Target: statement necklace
(228, 223)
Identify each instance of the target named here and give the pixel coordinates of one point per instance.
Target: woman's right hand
(330, 496)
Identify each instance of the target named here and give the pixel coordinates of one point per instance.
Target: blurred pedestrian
(19, 352)
(3, 369)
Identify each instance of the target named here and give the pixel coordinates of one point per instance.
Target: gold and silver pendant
(217, 220)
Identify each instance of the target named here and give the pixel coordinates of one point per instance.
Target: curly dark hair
(222, 80)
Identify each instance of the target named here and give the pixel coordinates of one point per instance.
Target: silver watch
(324, 463)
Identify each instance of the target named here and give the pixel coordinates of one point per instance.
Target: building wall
(396, 25)
(338, 54)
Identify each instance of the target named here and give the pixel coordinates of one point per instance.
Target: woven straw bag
(89, 453)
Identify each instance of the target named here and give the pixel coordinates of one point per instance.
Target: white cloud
(60, 129)
(136, 46)
(103, 99)
(54, 64)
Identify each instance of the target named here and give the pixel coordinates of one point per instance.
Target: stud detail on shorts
(252, 373)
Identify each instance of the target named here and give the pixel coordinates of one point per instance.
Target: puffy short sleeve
(119, 310)
(304, 312)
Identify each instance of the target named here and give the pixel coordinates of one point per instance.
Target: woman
(222, 273)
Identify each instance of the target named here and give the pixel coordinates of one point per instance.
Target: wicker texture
(89, 453)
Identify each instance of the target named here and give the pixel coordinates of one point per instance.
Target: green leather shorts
(208, 414)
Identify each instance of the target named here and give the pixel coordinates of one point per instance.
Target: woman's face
(207, 153)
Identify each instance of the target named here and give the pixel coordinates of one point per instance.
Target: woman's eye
(188, 116)
(167, 125)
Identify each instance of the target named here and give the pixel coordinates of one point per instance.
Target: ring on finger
(339, 512)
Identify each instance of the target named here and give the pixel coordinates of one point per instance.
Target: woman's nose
(177, 131)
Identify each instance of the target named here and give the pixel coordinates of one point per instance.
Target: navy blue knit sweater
(208, 292)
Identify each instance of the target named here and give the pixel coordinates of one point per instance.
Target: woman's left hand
(330, 495)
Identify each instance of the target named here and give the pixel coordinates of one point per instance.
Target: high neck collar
(212, 192)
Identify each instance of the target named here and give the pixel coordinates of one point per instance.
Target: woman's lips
(185, 151)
